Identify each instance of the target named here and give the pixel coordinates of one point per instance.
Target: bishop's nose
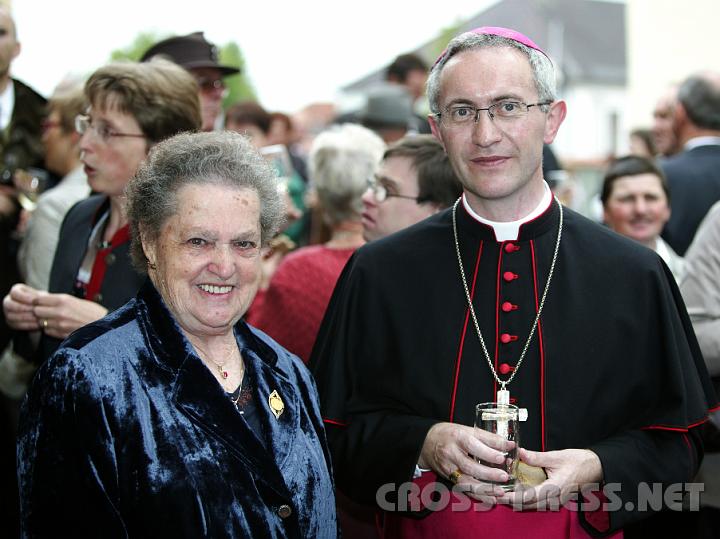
(485, 132)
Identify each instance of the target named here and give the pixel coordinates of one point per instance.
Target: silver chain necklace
(503, 394)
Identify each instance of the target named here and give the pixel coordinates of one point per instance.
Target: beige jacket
(700, 288)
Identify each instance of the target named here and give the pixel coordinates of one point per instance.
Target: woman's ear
(148, 247)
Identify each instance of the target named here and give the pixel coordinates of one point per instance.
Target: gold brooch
(277, 406)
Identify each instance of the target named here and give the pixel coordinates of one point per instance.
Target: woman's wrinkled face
(207, 258)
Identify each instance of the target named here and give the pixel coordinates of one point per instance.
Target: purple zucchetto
(502, 32)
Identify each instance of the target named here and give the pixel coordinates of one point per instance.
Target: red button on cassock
(510, 276)
(505, 368)
(511, 247)
(507, 307)
(506, 338)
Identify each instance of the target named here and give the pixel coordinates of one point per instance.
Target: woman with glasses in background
(132, 107)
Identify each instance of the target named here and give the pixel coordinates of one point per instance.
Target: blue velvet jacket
(125, 433)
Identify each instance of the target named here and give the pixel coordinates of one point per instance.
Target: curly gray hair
(542, 67)
(342, 160)
(225, 159)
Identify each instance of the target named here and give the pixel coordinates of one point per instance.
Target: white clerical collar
(702, 141)
(7, 103)
(509, 231)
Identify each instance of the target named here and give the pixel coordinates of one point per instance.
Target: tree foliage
(133, 52)
(239, 86)
(440, 42)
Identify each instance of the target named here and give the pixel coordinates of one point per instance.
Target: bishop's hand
(568, 470)
(449, 448)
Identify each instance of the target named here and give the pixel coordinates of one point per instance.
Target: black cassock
(614, 365)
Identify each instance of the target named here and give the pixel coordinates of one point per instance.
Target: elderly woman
(342, 161)
(132, 107)
(172, 417)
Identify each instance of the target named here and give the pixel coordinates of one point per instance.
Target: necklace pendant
(503, 395)
(503, 399)
(224, 374)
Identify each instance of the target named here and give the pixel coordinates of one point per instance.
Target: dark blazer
(20, 147)
(121, 281)
(20, 143)
(694, 181)
(126, 433)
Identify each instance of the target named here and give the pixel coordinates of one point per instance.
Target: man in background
(411, 72)
(21, 113)
(22, 110)
(663, 133)
(415, 180)
(694, 174)
(200, 57)
(701, 291)
(636, 204)
(388, 111)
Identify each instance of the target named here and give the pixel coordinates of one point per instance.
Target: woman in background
(132, 107)
(342, 161)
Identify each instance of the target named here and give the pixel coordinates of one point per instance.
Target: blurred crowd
(351, 179)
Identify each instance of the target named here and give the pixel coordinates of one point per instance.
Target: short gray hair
(342, 160)
(542, 67)
(224, 158)
(700, 97)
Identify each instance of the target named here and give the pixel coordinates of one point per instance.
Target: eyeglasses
(210, 85)
(84, 123)
(461, 115)
(381, 194)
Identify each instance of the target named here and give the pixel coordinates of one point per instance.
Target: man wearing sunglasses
(200, 57)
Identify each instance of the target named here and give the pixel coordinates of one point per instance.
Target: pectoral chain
(503, 395)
